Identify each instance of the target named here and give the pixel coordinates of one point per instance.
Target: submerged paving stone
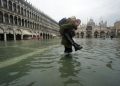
(97, 64)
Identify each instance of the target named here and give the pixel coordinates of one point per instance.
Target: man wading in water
(67, 31)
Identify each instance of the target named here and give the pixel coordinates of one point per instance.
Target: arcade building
(20, 20)
(91, 30)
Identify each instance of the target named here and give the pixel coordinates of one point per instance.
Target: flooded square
(43, 63)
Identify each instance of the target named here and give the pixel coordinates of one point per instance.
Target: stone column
(17, 21)
(13, 20)
(14, 36)
(21, 36)
(116, 32)
(32, 35)
(9, 18)
(3, 18)
(24, 23)
(5, 37)
(12, 6)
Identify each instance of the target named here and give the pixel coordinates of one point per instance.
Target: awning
(9, 31)
(53, 35)
(18, 32)
(26, 32)
(1, 31)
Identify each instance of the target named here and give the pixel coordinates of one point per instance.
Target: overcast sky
(107, 10)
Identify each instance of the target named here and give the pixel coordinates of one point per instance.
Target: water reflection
(69, 70)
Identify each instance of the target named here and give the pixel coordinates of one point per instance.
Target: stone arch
(1, 34)
(15, 20)
(4, 3)
(1, 17)
(14, 7)
(41, 35)
(28, 13)
(18, 33)
(39, 26)
(102, 34)
(19, 21)
(48, 36)
(32, 15)
(25, 12)
(78, 35)
(22, 10)
(23, 23)
(44, 35)
(107, 34)
(82, 34)
(96, 33)
(9, 34)
(35, 26)
(28, 23)
(9, 31)
(11, 19)
(18, 7)
(1, 30)
(6, 18)
(36, 17)
(10, 5)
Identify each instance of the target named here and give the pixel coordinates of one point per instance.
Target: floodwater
(43, 63)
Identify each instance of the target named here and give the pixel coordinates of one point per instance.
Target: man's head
(74, 21)
(73, 18)
(77, 22)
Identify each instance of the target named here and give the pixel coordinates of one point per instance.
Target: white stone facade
(18, 17)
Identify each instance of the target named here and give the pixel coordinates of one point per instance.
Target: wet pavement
(43, 63)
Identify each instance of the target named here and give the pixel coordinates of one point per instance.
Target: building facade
(91, 30)
(117, 28)
(20, 20)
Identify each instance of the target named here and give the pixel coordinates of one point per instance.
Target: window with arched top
(21, 10)
(22, 22)
(6, 18)
(28, 24)
(28, 14)
(24, 12)
(18, 7)
(33, 25)
(25, 23)
(1, 17)
(11, 19)
(5, 3)
(19, 21)
(10, 5)
(15, 20)
(14, 7)
(32, 15)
